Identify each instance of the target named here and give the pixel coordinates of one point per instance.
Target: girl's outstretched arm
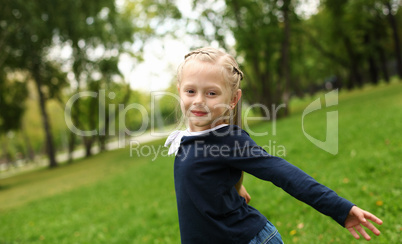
(358, 217)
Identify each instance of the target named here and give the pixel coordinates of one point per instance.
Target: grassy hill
(120, 197)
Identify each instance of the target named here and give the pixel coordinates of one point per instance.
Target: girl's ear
(178, 88)
(236, 98)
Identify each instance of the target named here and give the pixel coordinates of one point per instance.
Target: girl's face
(205, 97)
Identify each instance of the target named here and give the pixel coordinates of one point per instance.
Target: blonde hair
(230, 69)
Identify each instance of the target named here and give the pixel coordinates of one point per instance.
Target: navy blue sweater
(206, 169)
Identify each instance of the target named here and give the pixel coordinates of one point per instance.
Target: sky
(163, 56)
(156, 72)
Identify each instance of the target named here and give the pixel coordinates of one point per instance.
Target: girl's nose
(199, 99)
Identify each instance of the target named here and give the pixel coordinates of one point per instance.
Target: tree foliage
(94, 33)
(283, 52)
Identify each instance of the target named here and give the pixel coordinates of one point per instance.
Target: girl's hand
(243, 193)
(358, 217)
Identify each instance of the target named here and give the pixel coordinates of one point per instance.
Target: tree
(31, 30)
(29, 33)
(395, 34)
(10, 112)
(284, 53)
(114, 31)
(360, 30)
(262, 30)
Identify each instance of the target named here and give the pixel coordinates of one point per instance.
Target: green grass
(117, 198)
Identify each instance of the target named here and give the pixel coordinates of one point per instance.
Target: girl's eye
(190, 91)
(211, 93)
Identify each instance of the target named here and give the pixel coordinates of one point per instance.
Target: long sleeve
(206, 170)
(254, 160)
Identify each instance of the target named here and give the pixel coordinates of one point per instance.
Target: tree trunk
(355, 76)
(394, 27)
(383, 63)
(72, 136)
(104, 132)
(373, 70)
(30, 151)
(71, 146)
(285, 62)
(88, 142)
(102, 143)
(45, 118)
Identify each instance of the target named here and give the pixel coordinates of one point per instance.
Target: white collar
(174, 139)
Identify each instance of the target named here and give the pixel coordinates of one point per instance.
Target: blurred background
(80, 78)
(52, 50)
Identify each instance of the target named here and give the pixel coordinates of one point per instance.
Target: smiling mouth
(199, 113)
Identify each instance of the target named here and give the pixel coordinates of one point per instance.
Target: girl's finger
(362, 232)
(373, 218)
(371, 227)
(353, 232)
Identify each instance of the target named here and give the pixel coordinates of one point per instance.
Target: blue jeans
(268, 235)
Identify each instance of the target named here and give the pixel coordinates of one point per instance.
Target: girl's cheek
(182, 106)
(185, 109)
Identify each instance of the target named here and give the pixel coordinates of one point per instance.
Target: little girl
(212, 154)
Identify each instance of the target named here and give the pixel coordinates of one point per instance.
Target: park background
(292, 53)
